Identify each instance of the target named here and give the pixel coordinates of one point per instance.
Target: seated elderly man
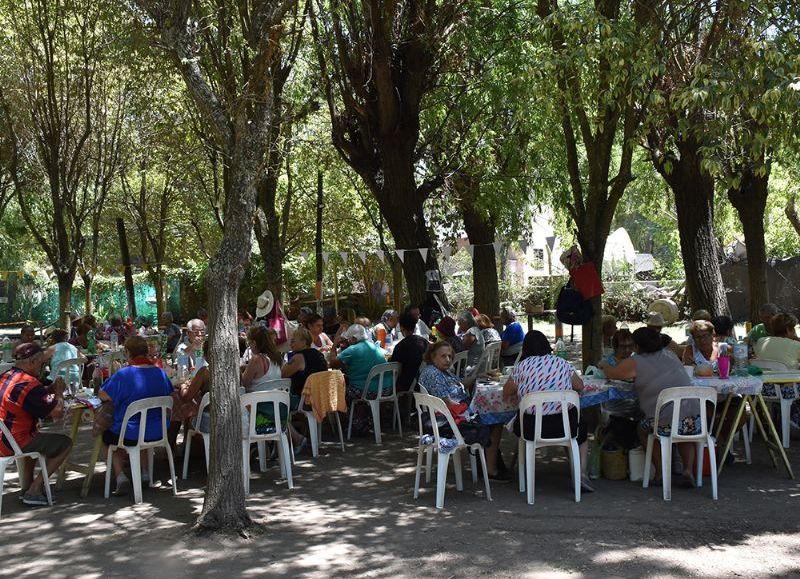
(23, 402)
(195, 336)
(765, 313)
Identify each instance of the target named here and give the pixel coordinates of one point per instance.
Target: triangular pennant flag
(497, 245)
(34, 273)
(446, 251)
(423, 251)
(325, 256)
(380, 256)
(401, 253)
(343, 255)
(304, 256)
(49, 273)
(523, 246)
(470, 249)
(363, 256)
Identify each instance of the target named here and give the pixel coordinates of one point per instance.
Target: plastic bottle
(388, 340)
(561, 351)
(381, 335)
(724, 361)
(91, 343)
(740, 359)
(114, 340)
(182, 364)
(6, 349)
(198, 358)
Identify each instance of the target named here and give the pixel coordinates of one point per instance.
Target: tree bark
(65, 281)
(88, 281)
(694, 203)
(791, 214)
(750, 202)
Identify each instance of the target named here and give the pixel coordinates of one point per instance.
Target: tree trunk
(791, 214)
(486, 294)
(268, 229)
(88, 281)
(750, 202)
(157, 279)
(65, 281)
(592, 237)
(224, 505)
(694, 203)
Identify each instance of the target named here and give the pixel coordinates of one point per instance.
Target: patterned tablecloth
(488, 400)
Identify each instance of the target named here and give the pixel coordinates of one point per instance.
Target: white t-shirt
(783, 350)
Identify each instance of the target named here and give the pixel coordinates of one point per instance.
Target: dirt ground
(352, 514)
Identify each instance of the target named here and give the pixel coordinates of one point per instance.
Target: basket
(615, 464)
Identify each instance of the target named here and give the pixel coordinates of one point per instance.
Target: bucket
(636, 464)
(615, 467)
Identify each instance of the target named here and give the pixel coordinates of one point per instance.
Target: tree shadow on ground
(352, 514)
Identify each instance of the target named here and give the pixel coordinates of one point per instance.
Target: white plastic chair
(250, 402)
(314, 429)
(492, 353)
(459, 364)
(674, 396)
(526, 449)
(72, 372)
(378, 373)
(432, 405)
(785, 404)
(189, 435)
(282, 385)
(18, 456)
(141, 407)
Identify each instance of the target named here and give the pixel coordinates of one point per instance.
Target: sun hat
(264, 304)
(656, 320)
(357, 332)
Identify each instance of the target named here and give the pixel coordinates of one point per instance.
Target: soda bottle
(381, 336)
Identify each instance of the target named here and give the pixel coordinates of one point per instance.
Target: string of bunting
(445, 251)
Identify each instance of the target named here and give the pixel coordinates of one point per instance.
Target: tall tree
(379, 61)
(62, 123)
(228, 76)
(599, 63)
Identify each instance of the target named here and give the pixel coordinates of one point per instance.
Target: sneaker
(35, 500)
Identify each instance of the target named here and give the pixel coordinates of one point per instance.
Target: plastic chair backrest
(143, 406)
(459, 363)
(380, 371)
(765, 364)
(433, 405)
(204, 401)
(675, 396)
(277, 384)
(325, 378)
(252, 399)
(537, 400)
(492, 353)
(66, 365)
(12, 443)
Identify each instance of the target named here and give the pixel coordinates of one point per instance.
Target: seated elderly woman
(439, 381)
(471, 338)
(702, 350)
(357, 360)
(490, 334)
(138, 380)
(783, 345)
(447, 331)
(538, 370)
(653, 369)
(305, 361)
(622, 343)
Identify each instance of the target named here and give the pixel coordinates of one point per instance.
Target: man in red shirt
(23, 401)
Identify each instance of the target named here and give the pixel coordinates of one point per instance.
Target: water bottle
(740, 359)
(182, 363)
(198, 359)
(114, 340)
(91, 344)
(561, 351)
(6, 349)
(388, 339)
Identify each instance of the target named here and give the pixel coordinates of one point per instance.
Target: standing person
(511, 338)
(653, 369)
(538, 370)
(23, 402)
(765, 313)
(409, 352)
(139, 380)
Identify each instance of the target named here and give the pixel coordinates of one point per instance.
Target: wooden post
(318, 242)
(126, 264)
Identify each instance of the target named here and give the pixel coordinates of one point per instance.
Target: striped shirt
(23, 401)
(540, 374)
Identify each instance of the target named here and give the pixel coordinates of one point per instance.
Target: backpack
(571, 308)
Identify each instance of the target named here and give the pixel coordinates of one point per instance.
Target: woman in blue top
(138, 380)
(511, 337)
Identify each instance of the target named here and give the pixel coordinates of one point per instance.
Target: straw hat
(655, 320)
(264, 304)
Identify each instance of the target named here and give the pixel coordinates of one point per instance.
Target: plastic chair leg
(441, 478)
(46, 479)
(282, 458)
(314, 433)
(751, 423)
(207, 448)
(417, 475)
(136, 474)
(109, 469)
(375, 408)
(246, 466)
(150, 460)
(530, 469)
(284, 442)
(428, 464)
(459, 470)
(171, 470)
(262, 455)
(3, 464)
(575, 461)
(521, 464)
(648, 461)
(350, 422)
(485, 474)
(712, 460)
(397, 415)
(698, 462)
(747, 436)
(339, 426)
(473, 467)
(666, 466)
(187, 450)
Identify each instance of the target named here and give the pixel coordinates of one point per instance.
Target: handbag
(276, 321)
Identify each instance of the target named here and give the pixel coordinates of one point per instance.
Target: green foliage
(625, 302)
